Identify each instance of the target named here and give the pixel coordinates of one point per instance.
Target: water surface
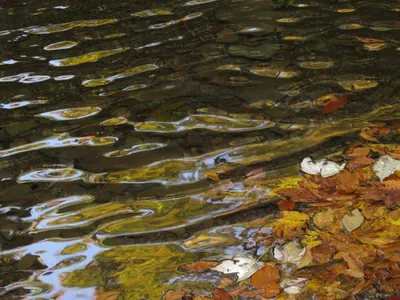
(127, 129)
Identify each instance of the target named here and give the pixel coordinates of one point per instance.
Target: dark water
(127, 128)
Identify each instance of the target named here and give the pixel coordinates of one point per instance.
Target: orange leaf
(219, 294)
(272, 290)
(213, 176)
(286, 204)
(334, 105)
(365, 135)
(200, 266)
(347, 181)
(265, 276)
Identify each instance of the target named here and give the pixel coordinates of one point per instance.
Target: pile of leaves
(337, 235)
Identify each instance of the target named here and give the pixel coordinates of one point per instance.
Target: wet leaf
(219, 294)
(61, 46)
(316, 65)
(86, 58)
(114, 121)
(353, 221)
(347, 181)
(174, 295)
(286, 204)
(241, 265)
(369, 40)
(322, 167)
(271, 290)
(358, 85)
(70, 113)
(109, 295)
(334, 105)
(386, 166)
(200, 266)
(266, 275)
(290, 252)
(374, 46)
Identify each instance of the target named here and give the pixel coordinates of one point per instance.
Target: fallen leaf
(334, 105)
(322, 167)
(286, 204)
(386, 166)
(354, 221)
(200, 266)
(110, 295)
(242, 265)
(356, 268)
(368, 40)
(347, 181)
(264, 276)
(271, 290)
(290, 252)
(219, 294)
(174, 295)
(293, 286)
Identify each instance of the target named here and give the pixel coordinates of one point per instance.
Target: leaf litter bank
(337, 235)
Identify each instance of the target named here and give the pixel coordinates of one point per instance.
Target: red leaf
(286, 204)
(334, 105)
(219, 294)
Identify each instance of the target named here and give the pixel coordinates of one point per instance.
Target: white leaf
(241, 265)
(386, 166)
(322, 167)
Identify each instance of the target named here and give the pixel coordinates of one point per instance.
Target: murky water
(127, 128)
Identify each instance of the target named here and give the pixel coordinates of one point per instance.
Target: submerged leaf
(219, 294)
(241, 265)
(334, 105)
(290, 253)
(265, 276)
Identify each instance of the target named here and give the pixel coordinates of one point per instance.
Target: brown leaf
(286, 204)
(334, 105)
(265, 276)
(200, 266)
(322, 253)
(219, 294)
(347, 181)
(356, 267)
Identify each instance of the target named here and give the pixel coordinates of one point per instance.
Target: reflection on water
(128, 130)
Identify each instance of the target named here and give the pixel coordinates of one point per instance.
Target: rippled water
(127, 129)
